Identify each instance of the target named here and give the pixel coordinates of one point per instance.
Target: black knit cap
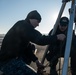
(64, 21)
(34, 15)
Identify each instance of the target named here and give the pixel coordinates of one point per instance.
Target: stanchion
(69, 39)
(55, 28)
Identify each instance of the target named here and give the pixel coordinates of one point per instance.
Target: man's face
(62, 28)
(34, 22)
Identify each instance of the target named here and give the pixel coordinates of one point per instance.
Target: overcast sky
(13, 10)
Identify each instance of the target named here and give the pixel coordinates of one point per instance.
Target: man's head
(34, 18)
(64, 21)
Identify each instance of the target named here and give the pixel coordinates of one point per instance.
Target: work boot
(53, 72)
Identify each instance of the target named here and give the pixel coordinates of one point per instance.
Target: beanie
(34, 15)
(64, 21)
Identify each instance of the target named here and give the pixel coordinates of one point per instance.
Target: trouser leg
(53, 67)
(73, 66)
(53, 64)
(73, 62)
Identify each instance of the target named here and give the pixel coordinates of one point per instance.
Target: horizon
(12, 11)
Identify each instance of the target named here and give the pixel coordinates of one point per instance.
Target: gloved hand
(39, 64)
(40, 68)
(61, 37)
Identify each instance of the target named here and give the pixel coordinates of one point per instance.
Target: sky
(12, 11)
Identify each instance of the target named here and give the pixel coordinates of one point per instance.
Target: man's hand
(39, 64)
(61, 37)
(40, 68)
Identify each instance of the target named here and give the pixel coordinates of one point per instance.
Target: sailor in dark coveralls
(16, 48)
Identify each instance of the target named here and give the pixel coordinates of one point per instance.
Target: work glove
(39, 64)
(40, 68)
(61, 37)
